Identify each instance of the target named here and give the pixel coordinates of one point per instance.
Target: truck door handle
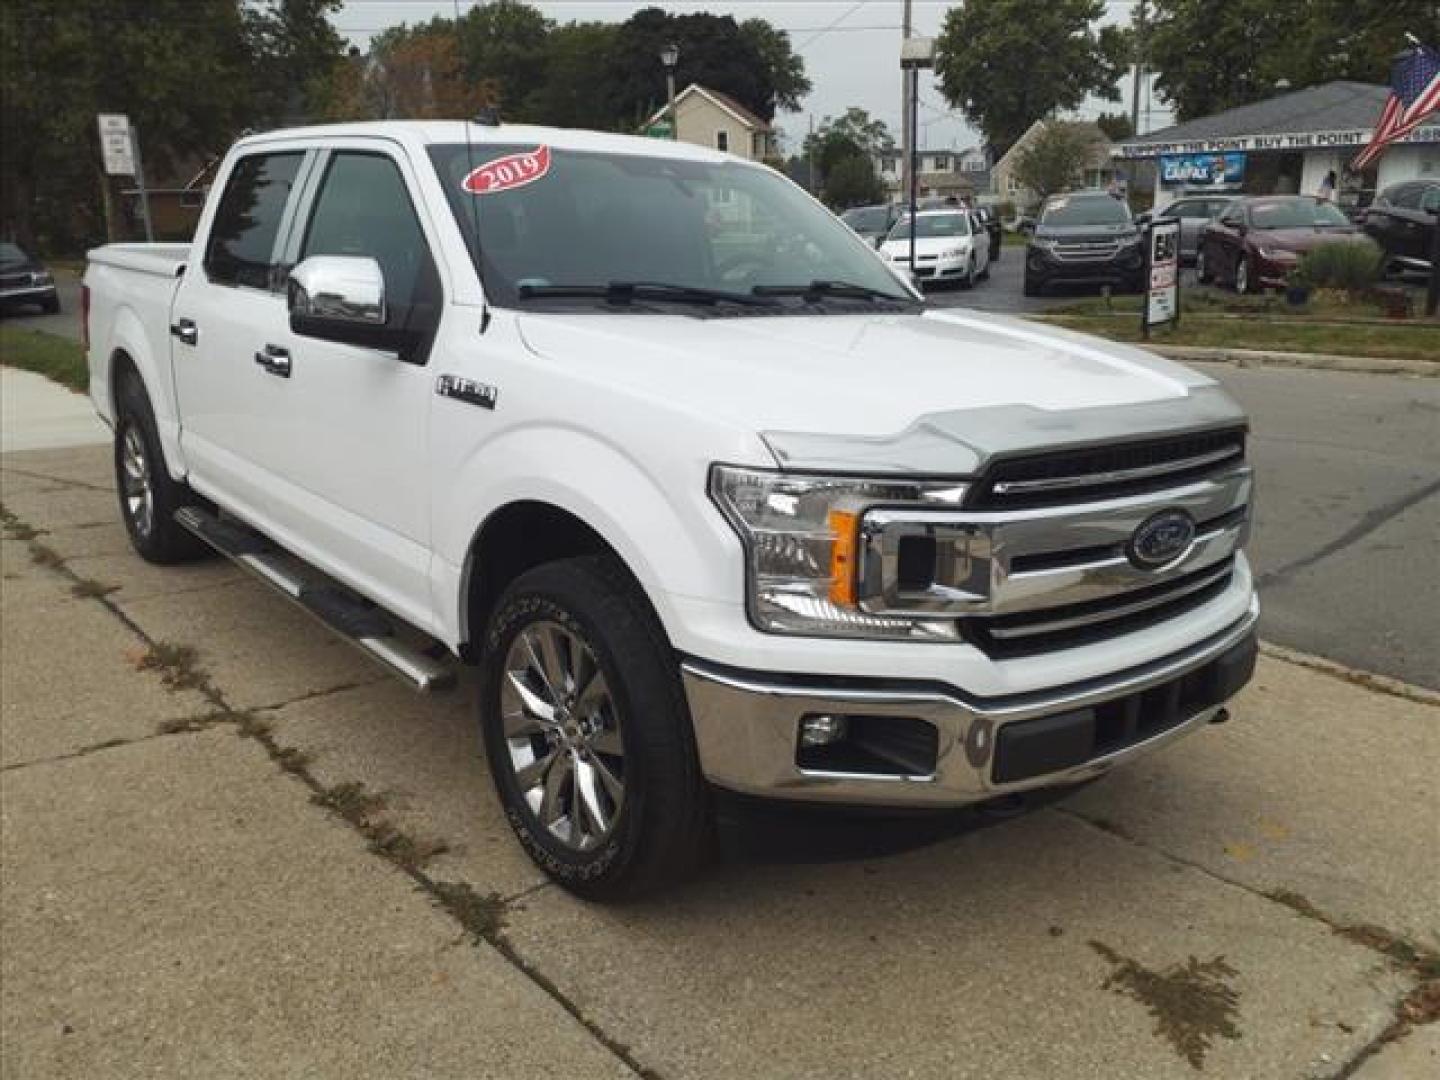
(185, 330)
(275, 360)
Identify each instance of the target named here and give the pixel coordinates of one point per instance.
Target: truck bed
(166, 260)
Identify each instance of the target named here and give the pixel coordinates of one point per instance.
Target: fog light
(821, 730)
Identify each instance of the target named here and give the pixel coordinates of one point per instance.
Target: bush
(1352, 266)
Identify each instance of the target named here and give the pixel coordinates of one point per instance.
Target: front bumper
(1124, 267)
(747, 725)
(28, 294)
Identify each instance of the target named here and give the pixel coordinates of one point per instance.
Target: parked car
(1402, 220)
(1193, 212)
(871, 223)
(731, 508)
(1256, 241)
(25, 281)
(990, 221)
(949, 247)
(1087, 237)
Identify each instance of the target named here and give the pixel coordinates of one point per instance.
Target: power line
(831, 26)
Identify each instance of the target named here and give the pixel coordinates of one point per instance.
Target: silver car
(1194, 213)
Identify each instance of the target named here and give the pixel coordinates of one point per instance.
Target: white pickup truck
(707, 492)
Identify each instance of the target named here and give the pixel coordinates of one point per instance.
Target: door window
(1430, 200)
(363, 208)
(241, 248)
(1407, 197)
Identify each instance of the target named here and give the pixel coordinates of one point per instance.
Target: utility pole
(1139, 68)
(906, 121)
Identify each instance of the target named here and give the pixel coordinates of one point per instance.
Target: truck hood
(936, 391)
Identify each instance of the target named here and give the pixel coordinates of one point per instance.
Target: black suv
(1402, 220)
(1087, 237)
(24, 280)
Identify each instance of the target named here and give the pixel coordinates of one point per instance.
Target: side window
(1407, 197)
(363, 208)
(1232, 217)
(722, 141)
(241, 247)
(1430, 199)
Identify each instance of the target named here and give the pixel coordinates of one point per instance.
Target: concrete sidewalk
(37, 414)
(228, 847)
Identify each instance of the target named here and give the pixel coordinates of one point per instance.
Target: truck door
(226, 301)
(347, 441)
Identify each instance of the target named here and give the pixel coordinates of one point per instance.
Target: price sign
(1162, 275)
(115, 144)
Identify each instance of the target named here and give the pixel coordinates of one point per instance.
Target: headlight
(1280, 254)
(1043, 243)
(802, 537)
(41, 278)
(1131, 241)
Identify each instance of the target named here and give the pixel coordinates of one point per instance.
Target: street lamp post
(670, 56)
(916, 53)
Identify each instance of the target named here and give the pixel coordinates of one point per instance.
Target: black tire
(1033, 287)
(1202, 267)
(154, 533)
(968, 281)
(1244, 278)
(985, 274)
(660, 830)
(51, 306)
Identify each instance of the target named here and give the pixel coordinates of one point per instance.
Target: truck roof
(427, 132)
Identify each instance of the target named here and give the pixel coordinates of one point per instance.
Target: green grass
(54, 357)
(1395, 340)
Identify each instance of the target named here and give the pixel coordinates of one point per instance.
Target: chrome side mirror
(338, 290)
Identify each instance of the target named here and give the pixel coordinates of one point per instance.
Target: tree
(191, 75)
(1055, 159)
(785, 69)
(1116, 126)
(853, 182)
(854, 134)
(422, 77)
(576, 68)
(1007, 63)
(1251, 45)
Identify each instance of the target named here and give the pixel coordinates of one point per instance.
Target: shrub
(1352, 266)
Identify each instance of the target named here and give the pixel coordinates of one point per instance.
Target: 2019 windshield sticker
(509, 172)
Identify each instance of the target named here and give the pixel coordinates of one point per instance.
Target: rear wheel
(1243, 280)
(588, 734)
(1033, 287)
(148, 495)
(51, 306)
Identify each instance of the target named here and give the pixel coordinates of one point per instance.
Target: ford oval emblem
(1161, 539)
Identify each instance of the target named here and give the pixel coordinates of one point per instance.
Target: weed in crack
(48, 557)
(410, 852)
(292, 759)
(362, 809)
(16, 529)
(90, 589)
(187, 724)
(482, 916)
(250, 725)
(1191, 1002)
(350, 801)
(178, 666)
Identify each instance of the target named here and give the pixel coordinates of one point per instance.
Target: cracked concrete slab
(256, 645)
(81, 465)
(132, 578)
(62, 507)
(177, 908)
(1317, 787)
(983, 956)
(1414, 1056)
(425, 755)
(69, 678)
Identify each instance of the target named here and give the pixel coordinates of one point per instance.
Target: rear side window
(364, 209)
(241, 249)
(1430, 199)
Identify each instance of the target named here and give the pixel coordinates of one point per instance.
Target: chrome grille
(1079, 250)
(1087, 473)
(14, 281)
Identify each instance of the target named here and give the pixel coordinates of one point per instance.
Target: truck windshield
(554, 223)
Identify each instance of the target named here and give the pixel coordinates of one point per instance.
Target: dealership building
(1285, 145)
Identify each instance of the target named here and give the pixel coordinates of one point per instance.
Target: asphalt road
(1349, 501)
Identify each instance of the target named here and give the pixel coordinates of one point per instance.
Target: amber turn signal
(846, 527)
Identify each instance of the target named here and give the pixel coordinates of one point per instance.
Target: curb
(1383, 684)
(1250, 358)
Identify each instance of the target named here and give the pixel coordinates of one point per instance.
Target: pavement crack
(64, 483)
(1361, 529)
(83, 752)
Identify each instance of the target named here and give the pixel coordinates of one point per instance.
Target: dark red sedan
(1257, 241)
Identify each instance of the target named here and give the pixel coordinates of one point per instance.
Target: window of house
(941, 163)
(722, 141)
(241, 247)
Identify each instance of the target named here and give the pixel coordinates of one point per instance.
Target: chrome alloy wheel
(135, 481)
(562, 731)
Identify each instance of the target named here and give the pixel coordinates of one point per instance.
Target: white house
(707, 117)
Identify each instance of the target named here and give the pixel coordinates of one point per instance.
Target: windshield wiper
(818, 290)
(623, 292)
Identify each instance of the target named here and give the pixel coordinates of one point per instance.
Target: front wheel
(1242, 275)
(1202, 271)
(1033, 287)
(588, 734)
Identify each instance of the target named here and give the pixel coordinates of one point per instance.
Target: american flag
(1414, 95)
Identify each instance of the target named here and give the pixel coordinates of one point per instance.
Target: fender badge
(466, 390)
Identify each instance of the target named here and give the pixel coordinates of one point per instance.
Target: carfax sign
(1162, 275)
(1197, 170)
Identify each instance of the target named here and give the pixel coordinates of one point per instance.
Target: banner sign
(1301, 140)
(115, 144)
(1202, 169)
(1162, 275)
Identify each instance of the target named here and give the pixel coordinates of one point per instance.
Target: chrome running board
(368, 627)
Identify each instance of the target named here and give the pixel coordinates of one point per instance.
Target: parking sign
(115, 145)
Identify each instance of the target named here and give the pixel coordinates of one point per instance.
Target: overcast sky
(851, 51)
